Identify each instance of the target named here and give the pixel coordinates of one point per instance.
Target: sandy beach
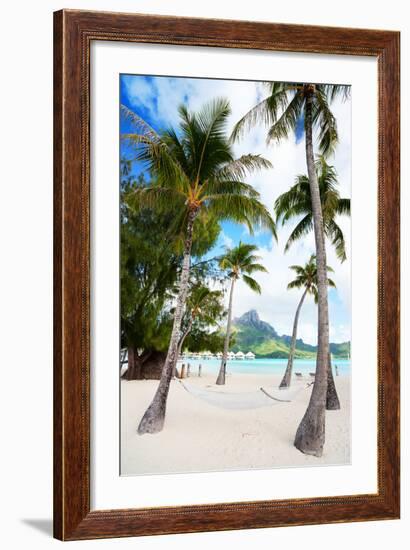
(199, 437)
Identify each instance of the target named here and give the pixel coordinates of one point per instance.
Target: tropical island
(208, 222)
(250, 333)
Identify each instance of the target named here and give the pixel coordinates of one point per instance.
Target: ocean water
(263, 366)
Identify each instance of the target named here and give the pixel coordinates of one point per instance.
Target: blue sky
(156, 100)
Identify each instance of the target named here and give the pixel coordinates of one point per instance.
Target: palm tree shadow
(43, 525)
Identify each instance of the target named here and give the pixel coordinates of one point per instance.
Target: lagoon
(264, 366)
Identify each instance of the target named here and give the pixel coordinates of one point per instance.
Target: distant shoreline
(273, 367)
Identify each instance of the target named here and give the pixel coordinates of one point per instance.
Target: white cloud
(340, 333)
(226, 240)
(139, 92)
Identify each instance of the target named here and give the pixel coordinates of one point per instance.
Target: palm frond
(295, 201)
(324, 119)
(252, 284)
(212, 120)
(288, 120)
(307, 277)
(333, 91)
(154, 153)
(241, 262)
(241, 209)
(239, 168)
(265, 112)
(177, 148)
(304, 227)
(142, 127)
(334, 233)
(255, 268)
(343, 207)
(225, 263)
(297, 268)
(297, 283)
(222, 187)
(158, 198)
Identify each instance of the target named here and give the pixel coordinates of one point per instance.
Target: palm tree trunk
(154, 417)
(287, 377)
(180, 344)
(185, 334)
(222, 371)
(332, 399)
(310, 435)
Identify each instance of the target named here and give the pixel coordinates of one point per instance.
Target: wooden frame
(73, 33)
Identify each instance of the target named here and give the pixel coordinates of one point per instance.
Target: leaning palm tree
(204, 305)
(240, 263)
(297, 204)
(196, 174)
(286, 105)
(306, 278)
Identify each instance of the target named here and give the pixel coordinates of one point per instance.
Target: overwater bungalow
(250, 355)
(240, 355)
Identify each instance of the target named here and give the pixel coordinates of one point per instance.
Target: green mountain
(253, 334)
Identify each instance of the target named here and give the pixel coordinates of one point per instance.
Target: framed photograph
(226, 275)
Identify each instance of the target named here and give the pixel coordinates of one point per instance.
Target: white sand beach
(199, 437)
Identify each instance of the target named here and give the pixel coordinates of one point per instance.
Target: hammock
(244, 400)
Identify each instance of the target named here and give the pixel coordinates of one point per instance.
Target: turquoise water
(264, 366)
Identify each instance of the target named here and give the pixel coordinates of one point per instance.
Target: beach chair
(298, 375)
(312, 374)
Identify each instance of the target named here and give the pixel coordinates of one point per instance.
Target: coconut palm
(197, 174)
(240, 263)
(204, 305)
(297, 203)
(283, 109)
(306, 278)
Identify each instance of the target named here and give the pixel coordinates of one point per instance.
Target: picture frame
(74, 32)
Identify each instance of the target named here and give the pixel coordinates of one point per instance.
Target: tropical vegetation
(239, 262)
(306, 279)
(189, 182)
(195, 173)
(261, 338)
(296, 204)
(281, 110)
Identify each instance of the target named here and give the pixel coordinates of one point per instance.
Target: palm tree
(195, 173)
(203, 304)
(286, 105)
(241, 263)
(306, 278)
(297, 203)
